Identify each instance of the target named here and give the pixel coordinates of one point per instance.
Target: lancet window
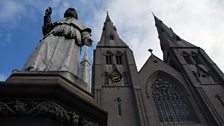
(125, 77)
(196, 58)
(111, 37)
(170, 103)
(109, 58)
(118, 101)
(187, 58)
(106, 78)
(119, 58)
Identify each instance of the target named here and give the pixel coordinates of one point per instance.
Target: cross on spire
(150, 50)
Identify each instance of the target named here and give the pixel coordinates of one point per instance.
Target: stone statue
(60, 48)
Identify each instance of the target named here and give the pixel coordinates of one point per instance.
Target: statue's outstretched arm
(48, 26)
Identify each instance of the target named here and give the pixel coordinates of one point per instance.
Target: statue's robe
(59, 50)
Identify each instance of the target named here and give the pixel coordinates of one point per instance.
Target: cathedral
(185, 88)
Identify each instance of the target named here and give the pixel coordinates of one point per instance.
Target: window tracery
(169, 102)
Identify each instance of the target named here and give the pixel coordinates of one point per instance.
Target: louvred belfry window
(196, 58)
(170, 102)
(187, 58)
(119, 58)
(111, 37)
(109, 58)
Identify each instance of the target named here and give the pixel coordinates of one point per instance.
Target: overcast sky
(200, 22)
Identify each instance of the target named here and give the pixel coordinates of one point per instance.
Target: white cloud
(199, 22)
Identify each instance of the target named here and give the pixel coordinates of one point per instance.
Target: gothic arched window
(125, 77)
(109, 57)
(119, 58)
(170, 102)
(196, 58)
(187, 58)
(106, 78)
(111, 37)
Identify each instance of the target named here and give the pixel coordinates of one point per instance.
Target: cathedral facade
(184, 89)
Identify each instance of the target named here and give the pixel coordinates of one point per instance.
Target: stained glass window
(169, 102)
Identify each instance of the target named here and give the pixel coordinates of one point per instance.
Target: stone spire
(168, 38)
(85, 71)
(109, 35)
(85, 57)
(108, 18)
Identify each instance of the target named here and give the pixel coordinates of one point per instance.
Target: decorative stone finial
(150, 50)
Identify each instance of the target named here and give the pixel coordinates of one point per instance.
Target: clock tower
(115, 78)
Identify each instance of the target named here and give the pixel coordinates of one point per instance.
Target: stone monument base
(48, 98)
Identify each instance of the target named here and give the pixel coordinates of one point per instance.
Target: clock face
(115, 77)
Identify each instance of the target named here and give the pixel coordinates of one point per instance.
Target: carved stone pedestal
(49, 98)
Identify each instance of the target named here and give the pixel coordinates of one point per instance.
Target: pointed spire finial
(85, 57)
(108, 18)
(153, 14)
(157, 20)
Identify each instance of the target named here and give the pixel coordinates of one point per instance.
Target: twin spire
(168, 38)
(109, 37)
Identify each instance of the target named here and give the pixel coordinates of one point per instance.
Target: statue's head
(71, 12)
